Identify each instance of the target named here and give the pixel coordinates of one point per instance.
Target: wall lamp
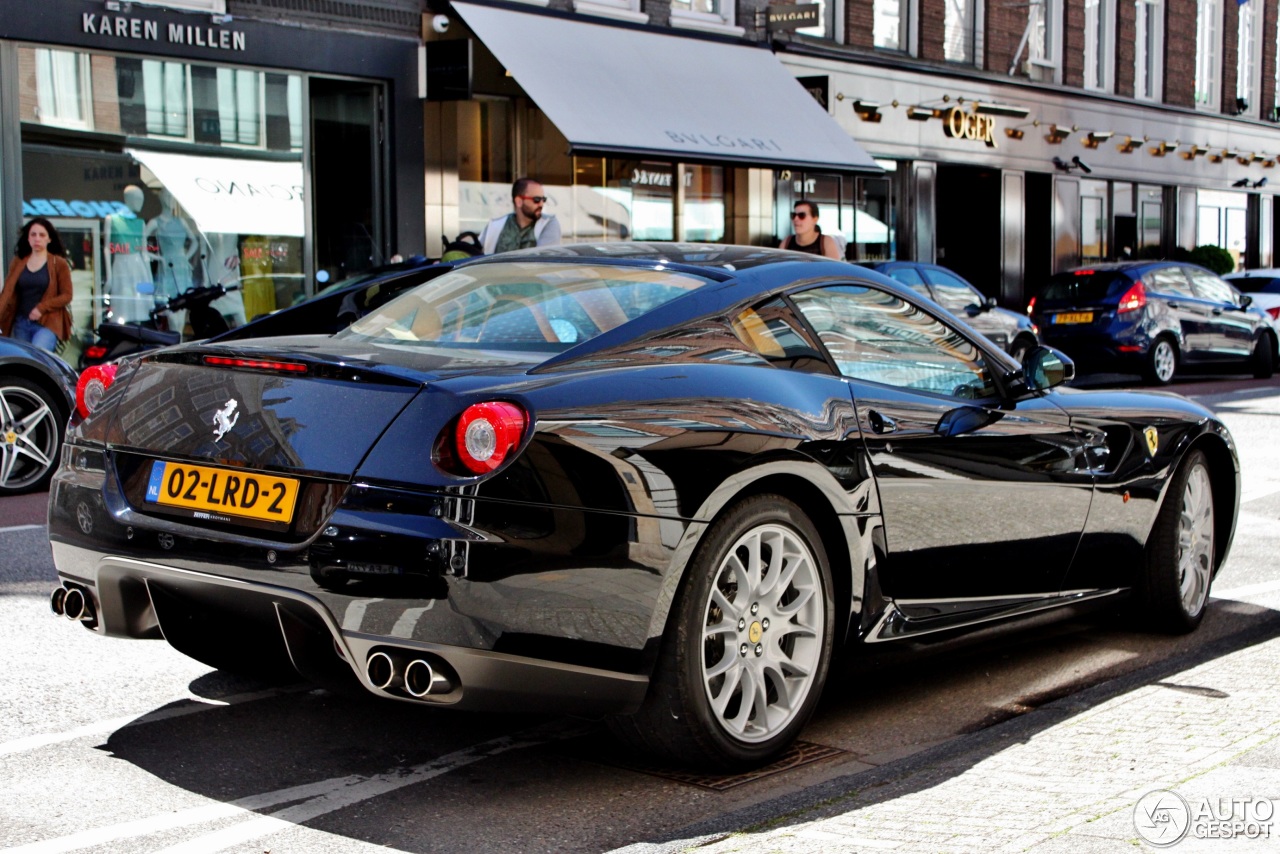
(1245, 159)
(1017, 131)
(1130, 145)
(922, 114)
(1010, 110)
(1243, 182)
(1094, 138)
(1268, 161)
(868, 111)
(1193, 151)
(1224, 154)
(1075, 163)
(1160, 149)
(1057, 134)
(1261, 182)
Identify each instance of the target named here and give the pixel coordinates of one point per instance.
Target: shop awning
(226, 195)
(615, 90)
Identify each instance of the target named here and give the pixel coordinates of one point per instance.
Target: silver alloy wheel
(28, 437)
(1164, 361)
(1195, 540)
(762, 636)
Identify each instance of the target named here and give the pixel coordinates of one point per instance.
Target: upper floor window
(826, 28)
(1208, 51)
(62, 88)
(891, 22)
(623, 10)
(1099, 44)
(1248, 52)
(960, 28)
(1043, 40)
(1148, 65)
(715, 15)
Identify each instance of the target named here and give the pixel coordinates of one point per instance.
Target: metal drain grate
(801, 753)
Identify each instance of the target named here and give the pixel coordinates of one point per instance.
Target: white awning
(618, 90)
(226, 195)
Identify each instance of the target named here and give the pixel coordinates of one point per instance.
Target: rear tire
(748, 643)
(1162, 362)
(1263, 360)
(1180, 561)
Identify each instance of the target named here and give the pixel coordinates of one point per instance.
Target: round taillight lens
(486, 435)
(93, 384)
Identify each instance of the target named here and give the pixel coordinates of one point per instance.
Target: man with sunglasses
(525, 227)
(807, 236)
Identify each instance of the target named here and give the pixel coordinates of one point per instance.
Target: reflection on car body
(655, 482)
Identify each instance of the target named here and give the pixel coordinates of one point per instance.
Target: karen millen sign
(141, 29)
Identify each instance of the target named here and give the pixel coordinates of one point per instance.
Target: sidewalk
(1065, 777)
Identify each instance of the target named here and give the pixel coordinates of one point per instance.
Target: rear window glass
(1255, 284)
(544, 307)
(1084, 285)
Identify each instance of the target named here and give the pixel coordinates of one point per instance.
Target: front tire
(1162, 362)
(31, 431)
(748, 643)
(1181, 560)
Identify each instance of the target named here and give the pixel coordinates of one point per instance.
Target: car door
(1231, 329)
(1182, 310)
(981, 496)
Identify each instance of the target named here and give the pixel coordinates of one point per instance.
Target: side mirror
(1245, 300)
(1044, 367)
(989, 303)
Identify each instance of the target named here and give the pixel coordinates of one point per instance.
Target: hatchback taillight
(485, 436)
(93, 384)
(95, 351)
(1031, 306)
(1134, 298)
(1274, 312)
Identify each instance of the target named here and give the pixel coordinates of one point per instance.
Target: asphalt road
(112, 745)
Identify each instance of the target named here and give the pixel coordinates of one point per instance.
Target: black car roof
(719, 259)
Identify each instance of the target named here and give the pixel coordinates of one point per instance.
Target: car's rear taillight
(1134, 298)
(93, 384)
(1274, 312)
(486, 434)
(1031, 306)
(95, 351)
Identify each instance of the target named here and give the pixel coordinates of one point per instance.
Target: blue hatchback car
(1153, 317)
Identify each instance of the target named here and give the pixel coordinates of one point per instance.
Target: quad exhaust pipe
(416, 677)
(72, 603)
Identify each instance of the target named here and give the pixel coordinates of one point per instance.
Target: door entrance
(969, 239)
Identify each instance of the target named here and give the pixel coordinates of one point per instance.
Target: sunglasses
(537, 200)
(799, 214)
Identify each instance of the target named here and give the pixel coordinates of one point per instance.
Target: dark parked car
(1153, 317)
(1011, 330)
(655, 482)
(37, 391)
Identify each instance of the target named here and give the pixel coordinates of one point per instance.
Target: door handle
(1217, 312)
(1175, 305)
(881, 424)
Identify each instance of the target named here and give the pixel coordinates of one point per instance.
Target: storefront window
(1124, 220)
(1093, 221)
(1221, 221)
(143, 225)
(703, 203)
(1150, 219)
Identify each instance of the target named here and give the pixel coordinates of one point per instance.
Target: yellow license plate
(1074, 317)
(223, 492)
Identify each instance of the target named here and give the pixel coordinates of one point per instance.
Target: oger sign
(958, 124)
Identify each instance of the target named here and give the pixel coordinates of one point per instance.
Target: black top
(814, 248)
(31, 288)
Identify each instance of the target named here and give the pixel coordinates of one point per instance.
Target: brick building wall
(386, 17)
(1004, 25)
(1073, 43)
(932, 29)
(1180, 52)
(1230, 58)
(858, 23)
(1126, 24)
(1267, 92)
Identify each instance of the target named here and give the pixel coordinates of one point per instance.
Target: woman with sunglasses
(808, 236)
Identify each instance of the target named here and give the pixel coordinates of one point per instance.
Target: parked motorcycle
(122, 339)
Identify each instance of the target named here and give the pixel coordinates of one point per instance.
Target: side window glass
(874, 335)
(908, 276)
(773, 331)
(1210, 287)
(953, 293)
(1168, 280)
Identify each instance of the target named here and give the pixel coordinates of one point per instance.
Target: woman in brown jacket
(37, 289)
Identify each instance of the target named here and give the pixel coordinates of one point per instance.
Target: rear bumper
(216, 618)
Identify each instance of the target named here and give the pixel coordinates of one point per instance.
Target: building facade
(242, 142)
(1009, 141)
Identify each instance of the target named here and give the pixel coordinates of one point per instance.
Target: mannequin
(129, 283)
(177, 244)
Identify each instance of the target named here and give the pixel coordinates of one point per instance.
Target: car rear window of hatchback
(1084, 285)
(1255, 284)
(542, 307)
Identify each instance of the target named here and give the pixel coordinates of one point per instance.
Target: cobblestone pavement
(1066, 777)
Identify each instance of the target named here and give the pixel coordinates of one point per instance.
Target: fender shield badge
(1153, 439)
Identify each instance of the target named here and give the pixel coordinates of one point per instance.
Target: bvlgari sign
(121, 27)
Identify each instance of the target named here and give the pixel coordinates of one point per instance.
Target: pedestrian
(527, 226)
(808, 236)
(37, 289)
